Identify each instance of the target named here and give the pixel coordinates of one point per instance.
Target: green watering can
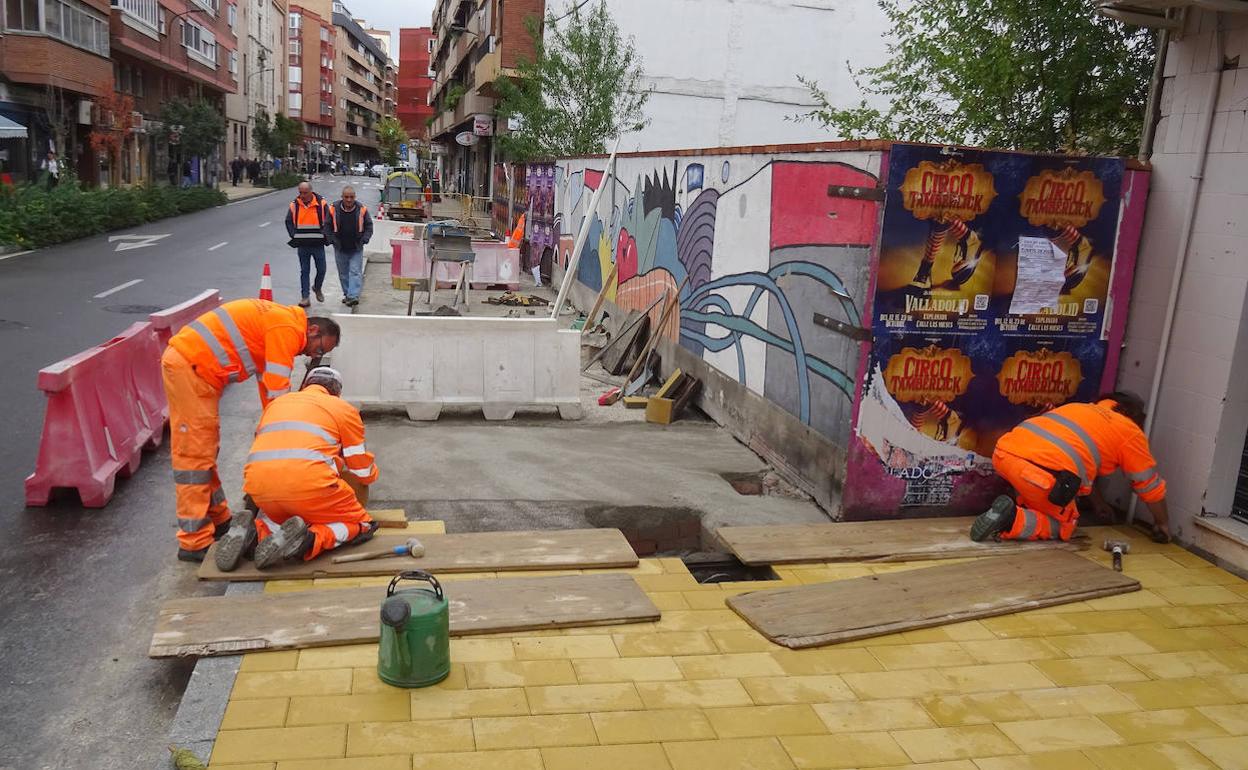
(415, 646)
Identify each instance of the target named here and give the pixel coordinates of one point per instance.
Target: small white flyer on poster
(1041, 273)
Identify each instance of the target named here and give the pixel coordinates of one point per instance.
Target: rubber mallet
(1117, 548)
(412, 547)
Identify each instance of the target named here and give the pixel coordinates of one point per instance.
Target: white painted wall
(724, 72)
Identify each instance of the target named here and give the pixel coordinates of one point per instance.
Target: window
(430, 45)
(162, 21)
(296, 48)
(233, 16)
(296, 76)
(342, 103)
(69, 21)
(137, 81)
(294, 100)
(324, 34)
(22, 15)
(201, 44)
(295, 21)
(234, 62)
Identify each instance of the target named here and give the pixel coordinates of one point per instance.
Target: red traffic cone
(266, 283)
(381, 211)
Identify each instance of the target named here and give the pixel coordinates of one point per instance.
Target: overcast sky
(393, 14)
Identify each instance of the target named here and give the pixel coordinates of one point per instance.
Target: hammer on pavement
(1117, 548)
(412, 547)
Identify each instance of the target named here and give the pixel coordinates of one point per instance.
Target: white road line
(252, 198)
(265, 224)
(116, 289)
(17, 254)
(219, 245)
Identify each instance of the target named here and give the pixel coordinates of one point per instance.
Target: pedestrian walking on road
(350, 228)
(306, 223)
(239, 339)
(236, 171)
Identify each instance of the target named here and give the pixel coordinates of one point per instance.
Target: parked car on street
(359, 169)
(379, 170)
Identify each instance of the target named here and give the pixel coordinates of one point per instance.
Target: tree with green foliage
(1048, 76)
(582, 87)
(390, 134)
(275, 137)
(200, 126)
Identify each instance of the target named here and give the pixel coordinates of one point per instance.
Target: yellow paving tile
(261, 712)
(283, 660)
(1177, 693)
(953, 764)
(700, 620)
(428, 527)
(436, 703)
(899, 684)
(366, 680)
(393, 762)
(1226, 753)
(732, 754)
(1184, 558)
(1178, 665)
(277, 743)
(1080, 671)
(1010, 650)
(583, 698)
(248, 766)
(1198, 595)
(1024, 625)
(1113, 620)
(742, 640)
(1056, 760)
(696, 694)
(651, 726)
(368, 738)
(815, 688)
(967, 631)
(1232, 718)
(1235, 658)
(565, 647)
(996, 676)
(707, 599)
(1109, 643)
(280, 684)
(941, 743)
(601, 670)
(728, 665)
(838, 660)
(1166, 725)
(1236, 685)
(519, 673)
(477, 650)
(981, 709)
(931, 655)
(667, 582)
(1069, 701)
(1237, 633)
(760, 721)
(1129, 601)
(286, 586)
(644, 756)
(1039, 735)
(1149, 756)
(1187, 617)
(844, 750)
(671, 565)
(1203, 576)
(346, 656)
(391, 706)
(667, 643)
(512, 759)
(854, 716)
(533, 731)
(1178, 639)
(669, 600)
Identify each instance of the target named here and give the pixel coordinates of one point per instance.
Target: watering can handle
(415, 574)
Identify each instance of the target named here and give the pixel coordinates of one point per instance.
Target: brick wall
(39, 60)
(514, 34)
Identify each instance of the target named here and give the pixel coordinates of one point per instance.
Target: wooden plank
(390, 517)
(844, 610)
(600, 299)
(460, 552)
(894, 540)
(227, 625)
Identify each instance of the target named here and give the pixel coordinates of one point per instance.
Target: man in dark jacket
(350, 227)
(307, 223)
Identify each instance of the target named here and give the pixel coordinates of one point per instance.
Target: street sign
(403, 151)
(482, 125)
(466, 138)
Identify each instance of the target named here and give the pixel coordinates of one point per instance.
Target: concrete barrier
(496, 264)
(423, 363)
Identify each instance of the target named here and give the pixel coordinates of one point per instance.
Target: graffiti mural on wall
(756, 247)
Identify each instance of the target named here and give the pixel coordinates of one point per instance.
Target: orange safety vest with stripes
(242, 338)
(361, 208)
(300, 442)
(308, 220)
(1090, 440)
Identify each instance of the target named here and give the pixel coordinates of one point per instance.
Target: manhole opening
(725, 568)
(745, 483)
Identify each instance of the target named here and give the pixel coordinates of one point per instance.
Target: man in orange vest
(226, 345)
(306, 443)
(306, 222)
(1055, 457)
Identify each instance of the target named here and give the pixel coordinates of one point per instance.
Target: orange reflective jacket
(242, 338)
(1090, 440)
(299, 444)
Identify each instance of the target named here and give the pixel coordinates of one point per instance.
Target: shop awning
(11, 130)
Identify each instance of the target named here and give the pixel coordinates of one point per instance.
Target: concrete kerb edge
(202, 708)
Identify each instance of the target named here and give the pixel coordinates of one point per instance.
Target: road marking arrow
(132, 241)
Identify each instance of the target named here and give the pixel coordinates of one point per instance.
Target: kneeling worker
(305, 440)
(1055, 457)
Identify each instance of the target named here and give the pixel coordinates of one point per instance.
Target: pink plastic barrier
(496, 264)
(105, 406)
(171, 319)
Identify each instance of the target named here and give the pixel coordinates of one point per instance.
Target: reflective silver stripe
(364, 473)
(218, 496)
(236, 337)
(341, 533)
(289, 454)
(1150, 486)
(212, 342)
(1061, 444)
(278, 369)
(1029, 525)
(1143, 475)
(192, 477)
(352, 451)
(1078, 430)
(276, 393)
(193, 525)
(306, 427)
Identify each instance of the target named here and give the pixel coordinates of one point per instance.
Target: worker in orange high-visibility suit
(305, 443)
(226, 345)
(1055, 457)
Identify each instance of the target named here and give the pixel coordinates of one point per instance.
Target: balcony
(471, 104)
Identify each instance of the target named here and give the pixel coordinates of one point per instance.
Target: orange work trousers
(194, 439)
(1035, 518)
(333, 517)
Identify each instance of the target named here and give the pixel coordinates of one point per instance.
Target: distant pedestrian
(253, 170)
(236, 171)
(350, 228)
(306, 223)
(52, 167)
(171, 170)
(186, 173)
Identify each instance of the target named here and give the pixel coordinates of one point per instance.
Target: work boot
(219, 530)
(234, 545)
(287, 543)
(305, 302)
(995, 520)
(319, 296)
(366, 533)
(196, 557)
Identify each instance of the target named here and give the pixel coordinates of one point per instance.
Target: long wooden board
(844, 610)
(228, 625)
(462, 552)
(896, 540)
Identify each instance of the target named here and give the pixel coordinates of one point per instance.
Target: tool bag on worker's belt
(1065, 487)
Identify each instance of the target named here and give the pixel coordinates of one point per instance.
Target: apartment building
(359, 88)
(311, 47)
(260, 27)
(414, 81)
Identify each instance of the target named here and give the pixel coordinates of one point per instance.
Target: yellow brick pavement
(1146, 681)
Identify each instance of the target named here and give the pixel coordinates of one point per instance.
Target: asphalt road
(79, 588)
